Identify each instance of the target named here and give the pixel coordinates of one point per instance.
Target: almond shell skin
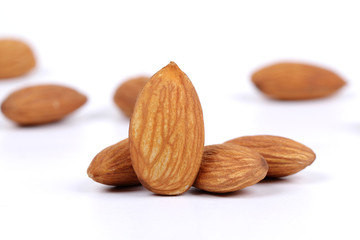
(112, 166)
(227, 168)
(167, 133)
(283, 155)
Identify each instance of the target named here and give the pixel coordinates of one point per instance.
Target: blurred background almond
(296, 81)
(126, 94)
(41, 104)
(16, 58)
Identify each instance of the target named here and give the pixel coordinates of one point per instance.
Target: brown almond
(167, 133)
(126, 94)
(41, 104)
(296, 81)
(228, 168)
(112, 166)
(284, 156)
(16, 58)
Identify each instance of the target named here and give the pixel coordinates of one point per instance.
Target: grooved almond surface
(16, 58)
(126, 94)
(167, 133)
(112, 166)
(228, 168)
(41, 104)
(296, 81)
(284, 156)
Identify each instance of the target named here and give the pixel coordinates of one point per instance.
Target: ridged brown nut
(112, 166)
(16, 58)
(296, 81)
(126, 94)
(41, 104)
(284, 156)
(167, 133)
(227, 168)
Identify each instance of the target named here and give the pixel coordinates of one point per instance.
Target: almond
(296, 81)
(112, 166)
(16, 58)
(228, 168)
(126, 94)
(41, 104)
(284, 156)
(167, 133)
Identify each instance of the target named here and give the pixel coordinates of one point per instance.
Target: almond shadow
(276, 180)
(239, 193)
(117, 189)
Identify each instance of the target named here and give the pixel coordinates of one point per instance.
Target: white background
(93, 46)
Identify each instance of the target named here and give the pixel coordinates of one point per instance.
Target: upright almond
(296, 81)
(41, 104)
(283, 155)
(167, 133)
(16, 58)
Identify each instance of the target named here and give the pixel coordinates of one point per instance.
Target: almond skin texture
(167, 133)
(227, 168)
(112, 166)
(284, 156)
(41, 104)
(126, 94)
(16, 58)
(296, 81)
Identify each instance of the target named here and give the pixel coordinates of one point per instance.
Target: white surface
(94, 46)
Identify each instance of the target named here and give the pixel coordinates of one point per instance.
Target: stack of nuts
(165, 150)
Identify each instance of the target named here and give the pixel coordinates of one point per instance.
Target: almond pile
(165, 150)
